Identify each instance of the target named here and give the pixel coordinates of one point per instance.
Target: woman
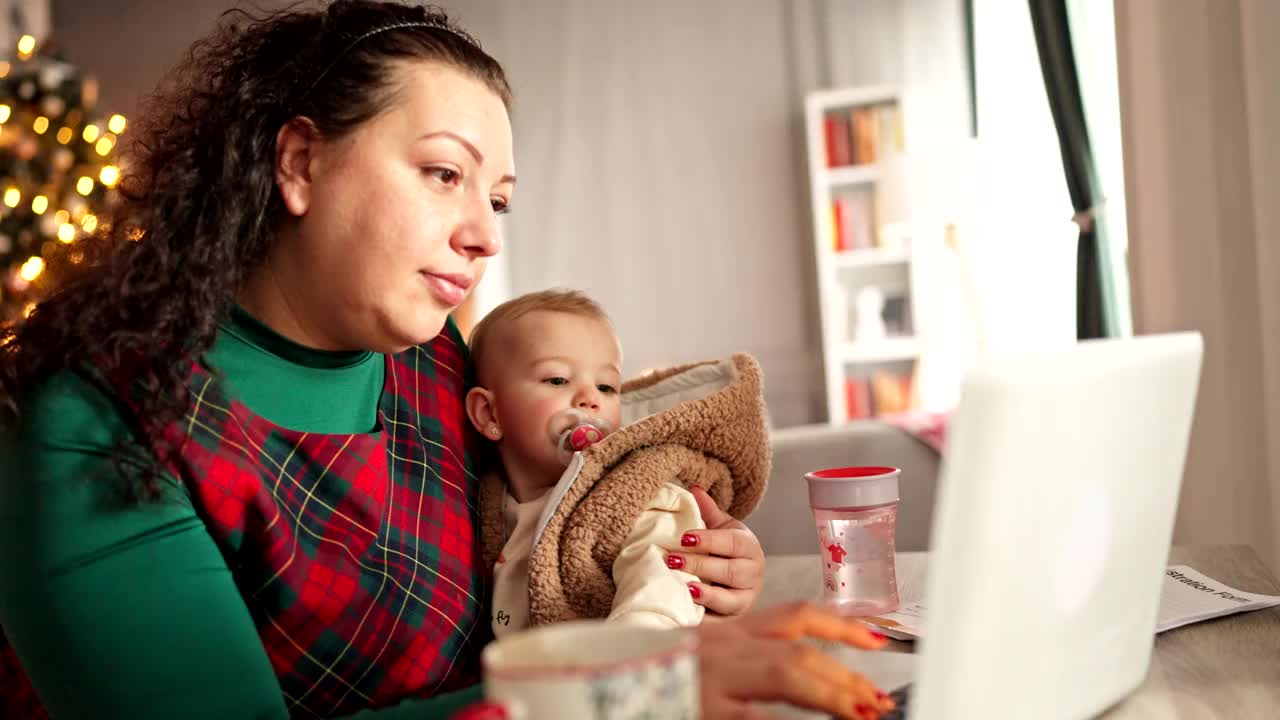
(241, 483)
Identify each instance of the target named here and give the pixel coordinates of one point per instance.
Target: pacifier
(572, 430)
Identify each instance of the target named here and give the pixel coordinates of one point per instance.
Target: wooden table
(1224, 668)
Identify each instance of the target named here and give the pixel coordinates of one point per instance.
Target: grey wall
(658, 145)
(660, 151)
(129, 44)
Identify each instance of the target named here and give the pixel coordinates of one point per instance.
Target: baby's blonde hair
(572, 302)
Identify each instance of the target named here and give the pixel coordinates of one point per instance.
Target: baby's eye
(556, 381)
(607, 389)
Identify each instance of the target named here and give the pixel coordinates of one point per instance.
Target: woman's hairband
(432, 24)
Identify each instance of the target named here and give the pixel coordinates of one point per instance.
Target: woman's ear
(483, 414)
(296, 144)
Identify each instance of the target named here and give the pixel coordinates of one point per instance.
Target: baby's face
(553, 361)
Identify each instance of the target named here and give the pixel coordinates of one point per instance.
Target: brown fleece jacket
(700, 425)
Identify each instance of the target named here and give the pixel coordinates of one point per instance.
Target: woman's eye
(607, 389)
(556, 381)
(500, 206)
(444, 175)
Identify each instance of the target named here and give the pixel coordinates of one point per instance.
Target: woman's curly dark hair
(198, 205)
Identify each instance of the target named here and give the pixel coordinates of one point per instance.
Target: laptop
(1051, 534)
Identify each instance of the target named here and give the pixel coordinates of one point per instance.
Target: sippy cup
(572, 430)
(856, 511)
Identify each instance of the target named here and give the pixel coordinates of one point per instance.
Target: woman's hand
(762, 657)
(726, 556)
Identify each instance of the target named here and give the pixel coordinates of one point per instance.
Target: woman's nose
(479, 235)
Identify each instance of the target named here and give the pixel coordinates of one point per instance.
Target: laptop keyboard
(901, 697)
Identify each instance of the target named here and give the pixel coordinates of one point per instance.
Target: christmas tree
(57, 169)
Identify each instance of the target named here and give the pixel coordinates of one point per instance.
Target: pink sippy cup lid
(852, 487)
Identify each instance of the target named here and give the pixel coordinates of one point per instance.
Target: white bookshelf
(893, 349)
(872, 257)
(850, 176)
(841, 274)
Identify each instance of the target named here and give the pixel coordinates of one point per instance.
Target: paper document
(1188, 597)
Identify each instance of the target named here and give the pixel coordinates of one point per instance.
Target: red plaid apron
(358, 555)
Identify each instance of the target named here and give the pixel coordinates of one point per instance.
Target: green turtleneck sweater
(131, 611)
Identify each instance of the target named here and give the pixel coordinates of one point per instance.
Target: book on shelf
(840, 240)
(890, 393)
(862, 219)
(891, 128)
(882, 393)
(838, 140)
(865, 125)
(862, 135)
(857, 398)
(853, 221)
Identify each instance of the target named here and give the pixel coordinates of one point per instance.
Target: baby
(549, 373)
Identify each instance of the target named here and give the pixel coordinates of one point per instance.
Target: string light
(46, 107)
(32, 268)
(110, 175)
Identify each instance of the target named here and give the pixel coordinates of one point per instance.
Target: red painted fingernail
(881, 695)
(675, 562)
(695, 591)
(862, 709)
(878, 636)
(688, 540)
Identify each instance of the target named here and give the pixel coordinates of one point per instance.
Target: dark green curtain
(972, 69)
(1058, 65)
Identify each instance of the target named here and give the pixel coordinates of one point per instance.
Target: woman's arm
(123, 611)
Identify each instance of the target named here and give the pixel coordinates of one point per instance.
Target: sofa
(783, 521)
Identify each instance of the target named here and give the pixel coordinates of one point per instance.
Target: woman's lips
(449, 289)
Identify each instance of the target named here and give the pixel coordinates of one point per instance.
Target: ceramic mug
(594, 670)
